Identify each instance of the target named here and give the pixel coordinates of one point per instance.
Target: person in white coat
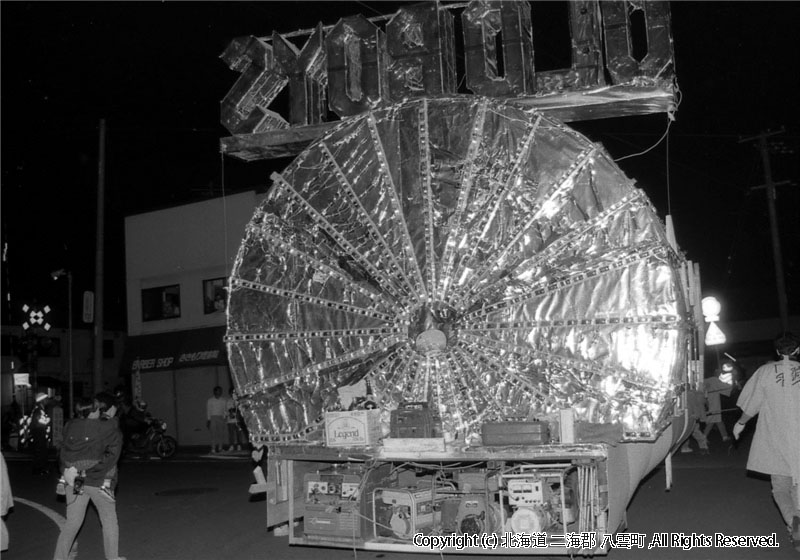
(773, 393)
(215, 419)
(6, 503)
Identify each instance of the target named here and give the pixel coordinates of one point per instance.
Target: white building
(177, 266)
(178, 261)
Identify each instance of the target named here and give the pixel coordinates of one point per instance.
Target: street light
(56, 274)
(711, 309)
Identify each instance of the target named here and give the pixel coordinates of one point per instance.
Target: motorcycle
(153, 440)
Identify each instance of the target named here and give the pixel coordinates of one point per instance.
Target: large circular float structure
(461, 251)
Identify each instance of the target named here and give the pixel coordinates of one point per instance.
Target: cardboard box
(515, 433)
(354, 428)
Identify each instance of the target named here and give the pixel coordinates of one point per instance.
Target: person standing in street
(56, 412)
(715, 387)
(36, 431)
(773, 393)
(235, 435)
(6, 503)
(215, 419)
(107, 406)
(696, 403)
(11, 423)
(88, 459)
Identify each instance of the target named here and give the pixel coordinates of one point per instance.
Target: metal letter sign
(357, 65)
(360, 64)
(483, 22)
(587, 61)
(307, 77)
(421, 46)
(244, 109)
(619, 60)
(586, 69)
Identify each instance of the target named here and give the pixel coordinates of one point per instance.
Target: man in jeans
(234, 431)
(215, 419)
(88, 459)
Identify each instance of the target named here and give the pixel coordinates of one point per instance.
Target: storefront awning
(175, 350)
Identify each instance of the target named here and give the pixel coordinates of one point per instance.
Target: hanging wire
(741, 216)
(224, 210)
(671, 116)
(375, 19)
(671, 110)
(666, 165)
(373, 10)
(698, 172)
(666, 132)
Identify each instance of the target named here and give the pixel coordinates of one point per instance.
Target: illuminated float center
(433, 329)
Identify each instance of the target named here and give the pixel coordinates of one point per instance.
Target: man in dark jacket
(88, 460)
(37, 432)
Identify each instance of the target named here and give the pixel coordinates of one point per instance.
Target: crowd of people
(706, 404)
(91, 443)
(773, 394)
(89, 446)
(225, 422)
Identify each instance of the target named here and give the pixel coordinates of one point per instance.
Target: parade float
(452, 315)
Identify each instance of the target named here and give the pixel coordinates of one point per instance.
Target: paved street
(195, 507)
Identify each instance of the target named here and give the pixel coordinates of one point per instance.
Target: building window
(215, 295)
(161, 303)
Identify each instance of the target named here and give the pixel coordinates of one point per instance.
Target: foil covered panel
(465, 252)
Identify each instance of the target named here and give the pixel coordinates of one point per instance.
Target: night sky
(152, 70)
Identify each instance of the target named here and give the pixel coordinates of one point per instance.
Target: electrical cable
(224, 209)
(666, 166)
(364, 4)
(670, 119)
(738, 230)
(666, 132)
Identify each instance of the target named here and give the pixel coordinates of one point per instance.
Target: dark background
(152, 70)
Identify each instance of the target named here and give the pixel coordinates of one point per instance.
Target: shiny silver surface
(462, 251)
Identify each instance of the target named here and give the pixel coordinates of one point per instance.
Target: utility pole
(56, 274)
(99, 277)
(69, 342)
(777, 255)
